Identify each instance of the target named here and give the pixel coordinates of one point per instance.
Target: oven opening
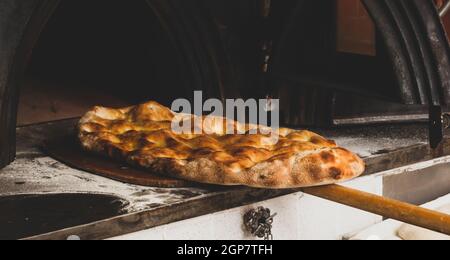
(333, 67)
(370, 75)
(109, 53)
(336, 48)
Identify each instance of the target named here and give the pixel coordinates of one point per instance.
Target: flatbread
(142, 136)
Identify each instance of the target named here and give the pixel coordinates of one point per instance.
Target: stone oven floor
(382, 147)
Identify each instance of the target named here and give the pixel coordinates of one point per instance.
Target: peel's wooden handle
(389, 208)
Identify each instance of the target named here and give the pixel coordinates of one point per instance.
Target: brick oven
(346, 58)
(355, 68)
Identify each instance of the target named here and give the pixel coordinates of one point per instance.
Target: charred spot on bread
(335, 173)
(327, 157)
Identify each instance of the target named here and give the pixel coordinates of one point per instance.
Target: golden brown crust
(142, 136)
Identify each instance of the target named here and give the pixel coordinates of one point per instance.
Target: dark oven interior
(329, 62)
(116, 53)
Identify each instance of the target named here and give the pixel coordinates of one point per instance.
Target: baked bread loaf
(142, 136)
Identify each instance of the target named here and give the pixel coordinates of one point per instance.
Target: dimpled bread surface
(142, 136)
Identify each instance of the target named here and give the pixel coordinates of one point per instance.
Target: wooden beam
(386, 207)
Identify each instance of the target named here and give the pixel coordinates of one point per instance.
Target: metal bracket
(439, 122)
(266, 41)
(265, 44)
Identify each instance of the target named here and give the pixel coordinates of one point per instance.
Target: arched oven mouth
(71, 55)
(112, 54)
(58, 58)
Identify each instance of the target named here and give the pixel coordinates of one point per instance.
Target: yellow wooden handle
(385, 207)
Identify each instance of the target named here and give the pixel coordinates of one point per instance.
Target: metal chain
(259, 223)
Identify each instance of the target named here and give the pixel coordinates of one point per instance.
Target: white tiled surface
(387, 230)
(300, 216)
